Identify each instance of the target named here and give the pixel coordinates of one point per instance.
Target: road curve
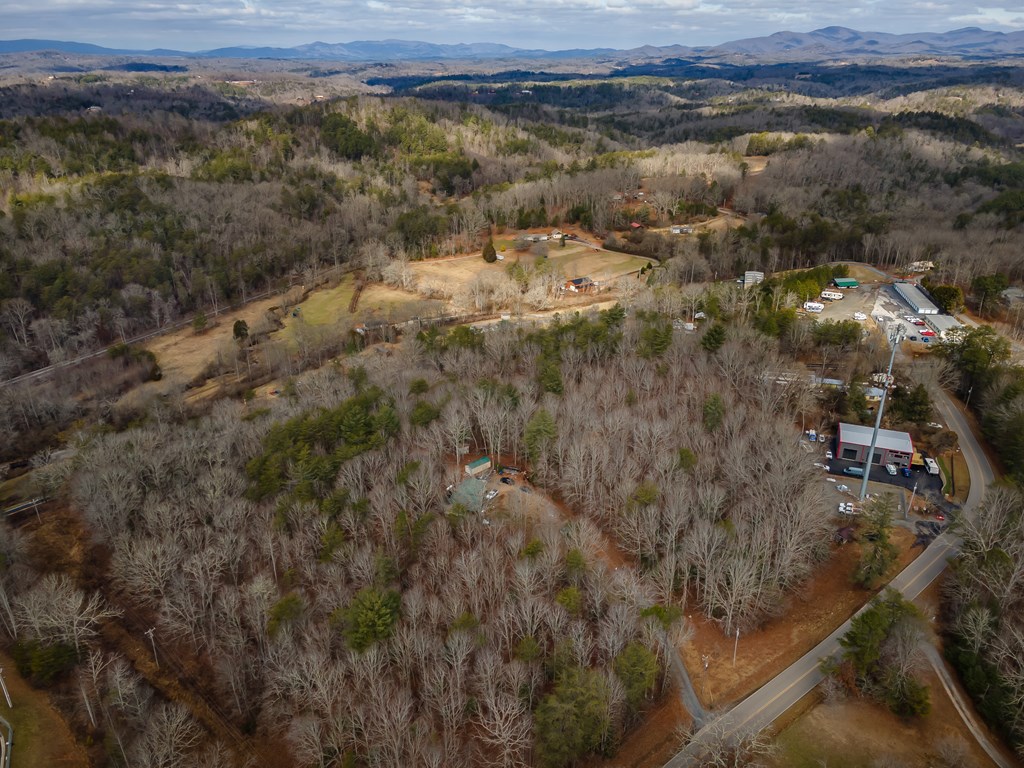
(761, 708)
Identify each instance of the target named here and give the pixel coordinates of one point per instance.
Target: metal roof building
(479, 467)
(945, 325)
(916, 298)
(845, 282)
(853, 441)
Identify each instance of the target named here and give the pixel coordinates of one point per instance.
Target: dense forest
(297, 560)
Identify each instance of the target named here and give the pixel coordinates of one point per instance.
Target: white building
(752, 278)
(916, 299)
(946, 326)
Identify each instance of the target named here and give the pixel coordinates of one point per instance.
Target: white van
(931, 466)
(813, 306)
(831, 295)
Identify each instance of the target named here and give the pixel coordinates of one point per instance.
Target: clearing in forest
(327, 306)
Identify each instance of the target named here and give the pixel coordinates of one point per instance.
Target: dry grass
(41, 737)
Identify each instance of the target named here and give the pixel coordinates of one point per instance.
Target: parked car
(854, 471)
(490, 494)
(912, 338)
(507, 480)
(859, 316)
(939, 516)
(828, 455)
(905, 471)
(891, 469)
(925, 339)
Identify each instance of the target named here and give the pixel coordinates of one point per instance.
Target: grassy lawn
(322, 307)
(959, 472)
(40, 735)
(17, 489)
(325, 306)
(377, 302)
(799, 749)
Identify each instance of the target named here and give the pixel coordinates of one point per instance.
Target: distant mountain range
(827, 43)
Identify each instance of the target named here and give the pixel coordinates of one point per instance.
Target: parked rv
(831, 295)
(931, 466)
(813, 306)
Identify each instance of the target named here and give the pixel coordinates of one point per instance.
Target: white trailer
(831, 295)
(813, 306)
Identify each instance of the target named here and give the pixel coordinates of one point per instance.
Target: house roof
(483, 461)
(888, 439)
(581, 281)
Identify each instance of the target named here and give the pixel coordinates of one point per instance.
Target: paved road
(765, 705)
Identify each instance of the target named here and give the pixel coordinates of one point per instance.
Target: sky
(191, 25)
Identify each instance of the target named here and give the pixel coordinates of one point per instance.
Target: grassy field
(40, 735)
(377, 302)
(585, 262)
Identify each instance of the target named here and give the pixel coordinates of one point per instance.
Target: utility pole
(913, 493)
(3, 685)
(704, 675)
(895, 338)
(149, 633)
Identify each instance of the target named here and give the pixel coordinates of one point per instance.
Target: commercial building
(853, 442)
(916, 299)
(946, 326)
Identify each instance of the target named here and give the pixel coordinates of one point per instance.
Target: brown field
(575, 260)
(183, 354)
(41, 737)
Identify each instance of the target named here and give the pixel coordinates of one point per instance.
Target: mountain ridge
(832, 41)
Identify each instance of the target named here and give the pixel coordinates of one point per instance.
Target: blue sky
(552, 24)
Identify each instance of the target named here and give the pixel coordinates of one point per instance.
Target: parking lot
(928, 486)
(889, 312)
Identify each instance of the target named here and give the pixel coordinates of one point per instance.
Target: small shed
(844, 535)
(845, 282)
(479, 467)
(579, 284)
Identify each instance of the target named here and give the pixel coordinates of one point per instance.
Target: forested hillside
(306, 555)
(292, 575)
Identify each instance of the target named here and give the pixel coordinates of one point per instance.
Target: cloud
(191, 25)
